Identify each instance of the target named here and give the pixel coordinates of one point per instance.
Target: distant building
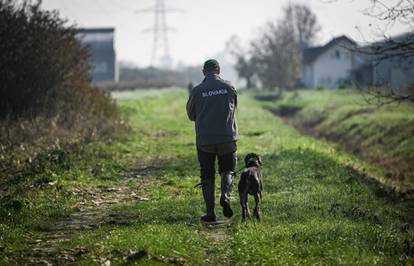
(329, 65)
(100, 43)
(342, 62)
(391, 68)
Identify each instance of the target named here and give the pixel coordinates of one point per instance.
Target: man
(212, 105)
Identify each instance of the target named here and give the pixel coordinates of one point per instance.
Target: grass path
(133, 201)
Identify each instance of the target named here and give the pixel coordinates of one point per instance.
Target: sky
(203, 28)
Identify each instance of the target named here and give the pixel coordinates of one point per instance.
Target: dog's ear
(259, 160)
(246, 159)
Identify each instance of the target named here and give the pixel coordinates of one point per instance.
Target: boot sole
(227, 211)
(208, 220)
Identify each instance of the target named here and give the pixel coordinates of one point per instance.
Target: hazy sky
(205, 26)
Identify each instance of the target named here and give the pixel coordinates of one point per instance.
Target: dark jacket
(212, 105)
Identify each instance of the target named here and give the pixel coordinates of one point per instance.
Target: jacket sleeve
(235, 98)
(235, 95)
(191, 108)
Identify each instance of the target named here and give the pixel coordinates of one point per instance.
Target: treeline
(46, 97)
(132, 77)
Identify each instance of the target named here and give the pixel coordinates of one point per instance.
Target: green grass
(318, 207)
(383, 135)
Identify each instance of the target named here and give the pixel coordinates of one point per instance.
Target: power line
(160, 31)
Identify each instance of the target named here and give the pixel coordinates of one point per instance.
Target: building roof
(97, 38)
(400, 38)
(389, 46)
(312, 53)
(96, 30)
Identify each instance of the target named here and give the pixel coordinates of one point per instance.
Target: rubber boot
(208, 188)
(226, 186)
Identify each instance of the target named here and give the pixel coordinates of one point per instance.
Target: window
(338, 54)
(99, 67)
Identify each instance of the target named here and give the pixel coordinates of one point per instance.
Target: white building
(328, 66)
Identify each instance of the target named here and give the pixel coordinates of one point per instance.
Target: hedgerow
(46, 96)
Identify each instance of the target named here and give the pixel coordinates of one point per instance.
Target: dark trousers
(226, 163)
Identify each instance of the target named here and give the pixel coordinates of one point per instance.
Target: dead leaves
(105, 196)
(133, 256)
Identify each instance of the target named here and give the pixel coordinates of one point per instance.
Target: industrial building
(100, 44)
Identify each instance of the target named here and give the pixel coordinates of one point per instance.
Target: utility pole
(160, 31)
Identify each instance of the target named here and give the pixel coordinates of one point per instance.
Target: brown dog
(251, 183)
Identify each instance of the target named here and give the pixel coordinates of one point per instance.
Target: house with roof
(330, 65)
(342, 62)
(388, 63)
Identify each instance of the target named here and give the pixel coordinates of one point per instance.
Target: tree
(244, 65)
(43, 64)
(277, 56)
(44, 73)
(303, 22)
(393, 11)
(277, 52)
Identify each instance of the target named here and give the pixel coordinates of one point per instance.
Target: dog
(251, 182)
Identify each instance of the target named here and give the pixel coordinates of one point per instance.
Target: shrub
(44, 68)
(46, 97)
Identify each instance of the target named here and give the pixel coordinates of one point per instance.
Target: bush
(46, 97)
(44, 68)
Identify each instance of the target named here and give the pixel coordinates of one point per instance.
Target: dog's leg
(244, 205)
(257, 199)
(243, 193)
(247, 207)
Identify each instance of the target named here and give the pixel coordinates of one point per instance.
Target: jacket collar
(212, 76)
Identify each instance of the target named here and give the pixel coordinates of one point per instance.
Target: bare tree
(393, 11)
(397, 49)
(390, 12)
(383, 96)
(303, 22)
(277, 52)
(244, 65)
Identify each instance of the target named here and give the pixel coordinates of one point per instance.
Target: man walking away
(212, 105)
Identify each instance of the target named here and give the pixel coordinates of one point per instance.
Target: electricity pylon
(160, 31)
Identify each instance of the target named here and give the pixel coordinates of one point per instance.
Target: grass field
(383, 135)
(132, 200)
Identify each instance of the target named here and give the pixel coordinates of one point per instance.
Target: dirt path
(216, 236)
(94, 210)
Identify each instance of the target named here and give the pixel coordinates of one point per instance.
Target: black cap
(211, 64)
